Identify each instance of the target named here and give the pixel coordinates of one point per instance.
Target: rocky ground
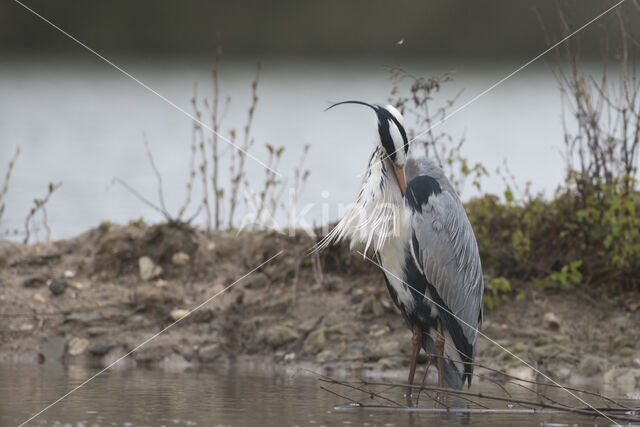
(94, 298)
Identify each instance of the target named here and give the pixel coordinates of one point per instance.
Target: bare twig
(237, 169)
(7, 178)
(39, 205)
(156, 172)
(143, 199)
(615, 413)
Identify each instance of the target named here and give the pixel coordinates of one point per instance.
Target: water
(221, 396)
(79, 121)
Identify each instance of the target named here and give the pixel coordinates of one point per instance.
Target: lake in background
(81, 122)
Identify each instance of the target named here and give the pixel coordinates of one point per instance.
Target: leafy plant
(495, 291)
(568, 276)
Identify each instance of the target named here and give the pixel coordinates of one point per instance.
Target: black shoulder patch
(420, 189)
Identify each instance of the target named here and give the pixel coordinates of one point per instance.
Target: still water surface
(221, 396)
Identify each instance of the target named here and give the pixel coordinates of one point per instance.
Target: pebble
(551, 321)
(77, 346)
(58, 286)
(162, 284)
(592, 365)
(148, 270)
(525, 373)
(279, 335)
(625, 378)
(100, 349)
(25, 327)
(180, 258)
(39, 298)
(178, 314)
(378, 349)
(210, 353)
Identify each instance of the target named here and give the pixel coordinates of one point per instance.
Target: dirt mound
(84, 300)
(117, 249)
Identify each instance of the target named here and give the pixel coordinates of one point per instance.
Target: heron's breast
(393, 260)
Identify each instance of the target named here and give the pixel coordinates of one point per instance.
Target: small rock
(34, 281)
(289, 357)
(551, 321)
(78, 285)
(69, 274)
(378, 330)
(100, 349)
(25, 327)
(625, 378)
(58, 286)
(178, 314)
(325, 355)
(316, 341)
(180, 258)
(210, 353)
(385, 364)
(148, 270)
(162, 284)
(257, 281)
(345, 331)
(562, 372)
(524, 373)
(39, 298)
(84, 317)
(77, 346)
(211, 246)
(375, 350)
(365, 306)
(592, 365)
(279, 335)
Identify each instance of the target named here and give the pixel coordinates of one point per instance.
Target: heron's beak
(402, 181)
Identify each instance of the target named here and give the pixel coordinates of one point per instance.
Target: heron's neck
(377, 213)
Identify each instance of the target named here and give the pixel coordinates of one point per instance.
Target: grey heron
(422, 238)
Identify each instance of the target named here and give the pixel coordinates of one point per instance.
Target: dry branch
(477, 398)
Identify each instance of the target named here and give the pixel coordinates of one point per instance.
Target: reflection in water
(217, 396)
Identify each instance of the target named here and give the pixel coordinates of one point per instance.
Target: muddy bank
(92, 299)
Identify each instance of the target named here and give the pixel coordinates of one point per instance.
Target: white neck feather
(376, 215)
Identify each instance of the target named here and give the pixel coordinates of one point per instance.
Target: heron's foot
(409, 398)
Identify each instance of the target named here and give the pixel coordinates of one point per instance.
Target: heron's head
(392, 137)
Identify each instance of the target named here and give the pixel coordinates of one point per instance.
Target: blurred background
(79, 121)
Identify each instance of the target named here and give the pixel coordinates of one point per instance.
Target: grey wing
(447, 250)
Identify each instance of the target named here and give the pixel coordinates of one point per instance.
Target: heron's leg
(424, 378)
(416, 340)
(440, 350)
